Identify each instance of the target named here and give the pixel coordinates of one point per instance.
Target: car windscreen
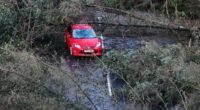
(84, 33)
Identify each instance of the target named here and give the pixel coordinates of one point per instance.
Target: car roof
(81, 26)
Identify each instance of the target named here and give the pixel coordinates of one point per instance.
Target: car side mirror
(68, 35)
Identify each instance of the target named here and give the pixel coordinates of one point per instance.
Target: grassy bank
(28, 82)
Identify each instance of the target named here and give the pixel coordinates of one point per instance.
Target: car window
(84, 33)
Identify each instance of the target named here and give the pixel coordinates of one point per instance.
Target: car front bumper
(82, 52)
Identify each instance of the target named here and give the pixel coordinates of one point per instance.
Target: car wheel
(100, 57)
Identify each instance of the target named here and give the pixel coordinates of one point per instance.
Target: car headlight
(98, 45)
(77, 46)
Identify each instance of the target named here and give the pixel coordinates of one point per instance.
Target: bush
(159, 77)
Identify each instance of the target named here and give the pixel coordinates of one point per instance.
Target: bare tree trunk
(166, 8)
(152, 5)
(176, 10)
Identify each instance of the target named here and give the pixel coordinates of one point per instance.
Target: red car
(82, 40)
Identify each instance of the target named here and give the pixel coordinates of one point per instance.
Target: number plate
(88, 51)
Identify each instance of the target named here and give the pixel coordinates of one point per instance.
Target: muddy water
(90, 75)
(125, 43)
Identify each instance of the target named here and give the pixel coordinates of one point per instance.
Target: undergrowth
(27, 24)
(29, 83)
(159, 77)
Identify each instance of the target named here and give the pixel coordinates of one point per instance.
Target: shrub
(159, 77)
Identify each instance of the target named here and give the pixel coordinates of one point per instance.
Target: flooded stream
(91, 77)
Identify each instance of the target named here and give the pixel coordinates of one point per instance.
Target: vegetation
(169, 7)
(30, 75)
(29, 83)
(159, 77)
(27, 22)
